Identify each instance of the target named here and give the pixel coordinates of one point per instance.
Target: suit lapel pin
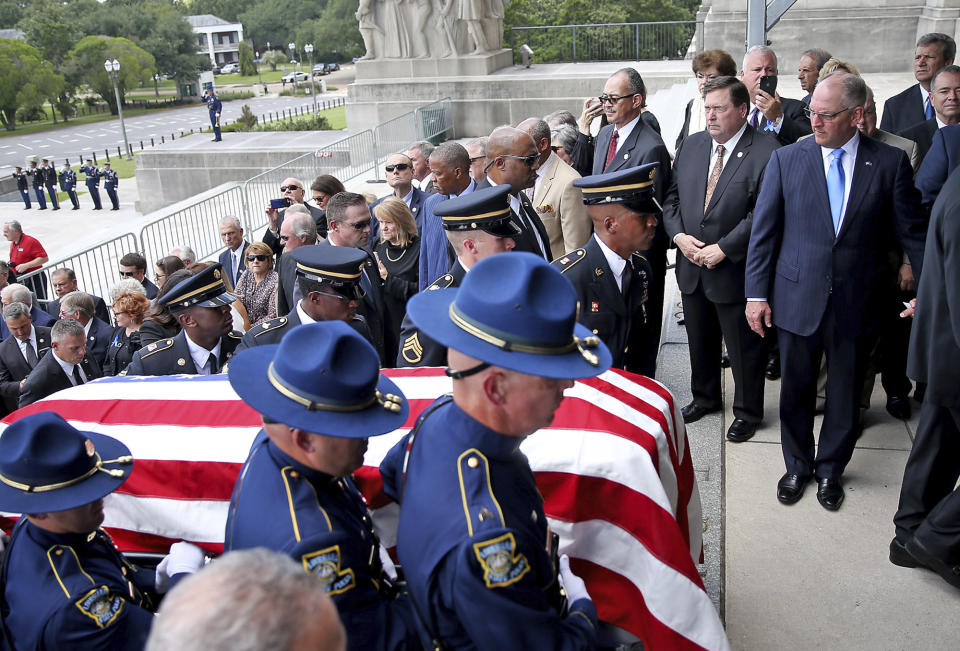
(181, 362)
(739, 154)
(598, 271)
(626, 156)
(595, 306)
(867, 163)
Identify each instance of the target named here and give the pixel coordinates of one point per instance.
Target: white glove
(388, 567)
(183, 558)
(572, 584)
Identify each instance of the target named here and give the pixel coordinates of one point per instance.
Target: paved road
(71, 141)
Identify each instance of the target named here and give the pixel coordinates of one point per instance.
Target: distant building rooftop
(207, 20)
(13, 33)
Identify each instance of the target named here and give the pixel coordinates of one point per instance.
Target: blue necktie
(928, 107)
(835, 181)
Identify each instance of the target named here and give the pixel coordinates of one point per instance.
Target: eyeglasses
(555, 148)
(284, 188)
(397, 166)
(358, 226)
(345, 299)
(701, 76)
(527, 160)
(826, 117)
(160, 278)
(257, 257)
(613, 99)
(284, 238)
(476, 158)
(128, 274)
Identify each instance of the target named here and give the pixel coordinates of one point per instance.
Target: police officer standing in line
(37, 174)
(201, 304)
(329, 280)
(477, 225)
(320, 394)
(214, 105)
(93, 183)
(64, 584)
(23, 186)
(49, 173)
(110, 182)
(610, 278)
(473, 538)
(68, 178)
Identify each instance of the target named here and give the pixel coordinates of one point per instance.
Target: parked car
(215, 70)
(320, 69)
(296, 75)
(331, 67)
(229, 69)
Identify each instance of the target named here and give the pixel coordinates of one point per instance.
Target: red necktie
(612, 149)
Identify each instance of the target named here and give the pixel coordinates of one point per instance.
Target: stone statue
(419, 38)
(443, 12)
(368, 28)
(471, 13)
(396, 37)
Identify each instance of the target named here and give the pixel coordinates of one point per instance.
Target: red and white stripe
(614, 469)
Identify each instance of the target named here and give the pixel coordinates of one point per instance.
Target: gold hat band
(324, 272)
(98, 467)
(196, 291)
(617, 188)
(389, 401)
(495, 213)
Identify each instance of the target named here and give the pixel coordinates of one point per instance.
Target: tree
(11, 11)
(271, 21)
(335, 34)
(25, 80)
(273, 58)
(84, 64)
(47, 25)
(247, 67)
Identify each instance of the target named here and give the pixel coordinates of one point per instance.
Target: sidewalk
(802, 577)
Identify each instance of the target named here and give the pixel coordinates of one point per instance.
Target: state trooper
(473, 539)
(320, 395)
(201, 304)
(329, 282)
(477, 225)
(49, 173)
(68, 179)
(64, 584)
(214, 105)
(93, 182)
(37, 175)
(610, 278)
(23, 186)
(110, 182)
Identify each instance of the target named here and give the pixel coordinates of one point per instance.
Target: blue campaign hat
(205, 289)
(47, 465)
(633, 187)
(323, 378)
(486, 209)
(338, 266)
(515, 311)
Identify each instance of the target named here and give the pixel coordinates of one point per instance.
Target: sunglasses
(257, 257)
(345, 299)
(127, 274)
(527, 160)
(359, 226)
(284, 188)
(283, 238)
(613, 99)
(397, 166)
(555, 148)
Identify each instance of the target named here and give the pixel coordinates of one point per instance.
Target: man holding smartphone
(782, 117)
(291, 193)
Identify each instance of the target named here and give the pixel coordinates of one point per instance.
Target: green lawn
(49, 126)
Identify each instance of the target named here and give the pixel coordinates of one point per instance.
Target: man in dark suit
(17, 293)
(298, 230)
(708, 214)
(65, 281)
(946, 105)
(134, 265)
(79, 305)
(939, 163)
(20, 353)
(512, 159)
(399, 173)
(929, 510)
(292, 190)
(66, 366)
(781, 116)
(201, 303)
(815, 267)
(233, 260)
(808, 71)
(934, 51)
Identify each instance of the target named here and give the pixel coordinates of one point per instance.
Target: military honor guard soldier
(214, 105)
(477, 225)
(201, 304)
(473, 539)
(50, 182)
(93, 182)
(320, 394)
(23, 186)
(110, 182)
(64, 585)
(612, 280)
(37, 175)
(68, 179)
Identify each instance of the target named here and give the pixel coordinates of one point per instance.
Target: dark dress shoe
(900, 556)
(725, 360)
(830, 493)
(790, 488)
(773, 368)
(740, 430)
(919, 391)
(694, 412)
(949, 573)
(899, 407)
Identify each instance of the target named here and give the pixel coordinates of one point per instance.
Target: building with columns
(217, 38)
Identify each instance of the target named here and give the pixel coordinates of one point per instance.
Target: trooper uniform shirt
(272, 331)
(93, 175)
(323, 524)
(172, 356)
(110, 179)
(69, 180)
(474, 542)
(614, 316)
(417, 349)
(73, 591)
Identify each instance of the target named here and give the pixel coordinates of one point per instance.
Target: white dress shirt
(200, 355)
(617, 264)
(68, 369)
(728, 148)
(625, 131)
(33, 341)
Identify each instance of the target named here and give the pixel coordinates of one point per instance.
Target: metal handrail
(640, 41)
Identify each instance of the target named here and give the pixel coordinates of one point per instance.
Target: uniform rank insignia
(101, 606)
(412, 350)
(502, 565)
(325, 565)
(595, 306)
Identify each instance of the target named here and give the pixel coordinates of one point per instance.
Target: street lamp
(308, 48)
(156, 82)
(113, 70)
(257, 57)
(296, 82)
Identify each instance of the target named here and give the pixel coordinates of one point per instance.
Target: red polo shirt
(27, 249)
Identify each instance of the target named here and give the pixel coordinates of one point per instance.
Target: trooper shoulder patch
(412, 349)
(568, 261)
(101, 605)
(443, 282)
(502, 565)
(325, 565)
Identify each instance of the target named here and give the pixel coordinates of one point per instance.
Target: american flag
(614, 469)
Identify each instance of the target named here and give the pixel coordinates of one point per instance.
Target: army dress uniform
(37, 174)
(110, 182)
(68, 179)
(23, 186)
(93, 183)
(50, 182)
(417, 349)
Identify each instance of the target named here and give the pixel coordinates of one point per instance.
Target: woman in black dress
(159, 323)
(398, 256)
(129, 309)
